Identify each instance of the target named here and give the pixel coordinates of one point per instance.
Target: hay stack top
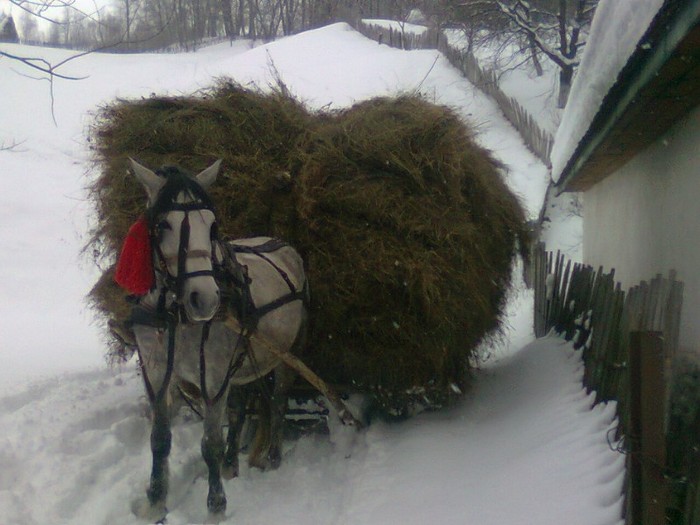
(407, 230)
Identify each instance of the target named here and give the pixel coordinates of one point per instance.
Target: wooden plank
(673, 317)
(592, 355)
(549, 270)
(603, 329)
(634, 470)
(652, 311)
(541, 277)
(574, 299)
(556, 297)
(692, 501)
(647, 385)
(563, 319)
(611, 387)
(343, 412)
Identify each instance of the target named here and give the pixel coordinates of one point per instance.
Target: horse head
(182, 228)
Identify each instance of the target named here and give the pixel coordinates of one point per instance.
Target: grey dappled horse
(183, 342)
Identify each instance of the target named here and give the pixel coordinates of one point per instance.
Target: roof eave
(586, 167)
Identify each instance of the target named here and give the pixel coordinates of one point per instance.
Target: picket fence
(629, 345)
(536, 139)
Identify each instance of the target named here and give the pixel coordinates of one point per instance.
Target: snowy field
(523, 446)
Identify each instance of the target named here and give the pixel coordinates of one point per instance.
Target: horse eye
(163, 225)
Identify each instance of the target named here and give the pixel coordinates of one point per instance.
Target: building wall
(645, 219)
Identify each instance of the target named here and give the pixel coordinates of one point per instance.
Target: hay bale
(406, 227)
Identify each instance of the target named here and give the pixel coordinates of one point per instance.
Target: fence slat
(582, 301)
(536, 139)
(647, 385)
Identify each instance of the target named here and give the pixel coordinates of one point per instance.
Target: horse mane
(177, 180)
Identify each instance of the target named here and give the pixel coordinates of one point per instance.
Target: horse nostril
(194, 300)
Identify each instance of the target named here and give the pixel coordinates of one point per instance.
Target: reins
(230, 275)
(174, 312)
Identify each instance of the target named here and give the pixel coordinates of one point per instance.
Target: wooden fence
(629, 341)
(535, 138)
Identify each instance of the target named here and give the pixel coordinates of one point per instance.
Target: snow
(615, 34)
(536, 94)
(523, 446)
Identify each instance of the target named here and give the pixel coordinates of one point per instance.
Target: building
(630, 141)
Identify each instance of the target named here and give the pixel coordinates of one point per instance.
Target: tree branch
(44, 66)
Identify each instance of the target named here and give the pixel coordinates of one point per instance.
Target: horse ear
(152, 182)
(207, 177)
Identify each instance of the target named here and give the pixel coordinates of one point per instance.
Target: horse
(196, 280)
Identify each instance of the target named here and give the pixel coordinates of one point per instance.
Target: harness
(231, 277)
(234, 283)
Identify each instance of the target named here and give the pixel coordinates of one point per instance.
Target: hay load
(407, 230)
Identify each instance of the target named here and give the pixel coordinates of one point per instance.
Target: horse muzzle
(201, 302)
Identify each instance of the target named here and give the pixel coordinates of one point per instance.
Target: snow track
(524, 447)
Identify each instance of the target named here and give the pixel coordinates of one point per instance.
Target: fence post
(692, 499)
(647, 432)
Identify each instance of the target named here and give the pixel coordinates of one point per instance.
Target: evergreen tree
(8, 31)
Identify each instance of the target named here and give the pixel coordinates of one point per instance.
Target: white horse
(183, 342)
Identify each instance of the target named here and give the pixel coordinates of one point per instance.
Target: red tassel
(135, 266)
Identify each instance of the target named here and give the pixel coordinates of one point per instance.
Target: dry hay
(407, 230)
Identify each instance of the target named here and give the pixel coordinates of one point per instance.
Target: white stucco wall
(645, 219)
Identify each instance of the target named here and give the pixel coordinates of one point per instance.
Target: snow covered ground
(523, 446)
(536, 94)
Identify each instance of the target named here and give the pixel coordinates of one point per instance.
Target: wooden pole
(648, 440)
(297, 364)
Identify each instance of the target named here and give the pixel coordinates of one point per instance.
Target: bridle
(176, 283)
(177, 183)
(171, 309)
(227, 271)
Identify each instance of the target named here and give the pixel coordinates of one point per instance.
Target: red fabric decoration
(135, 266)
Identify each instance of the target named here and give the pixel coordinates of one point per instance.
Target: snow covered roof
(639, 74)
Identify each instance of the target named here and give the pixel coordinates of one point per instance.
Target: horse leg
(156, 382)
(267, 451)
(284, 379)
(161, 438)
(259, 448)
(213, 448)
(236, 407)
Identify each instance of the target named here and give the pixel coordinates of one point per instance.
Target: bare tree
(29, 28)
(67, 25)
(553, 29)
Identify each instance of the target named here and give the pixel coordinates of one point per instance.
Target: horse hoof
(153, 513)
(274, 459)
(216, 503)
(271, 461)
(229, 471)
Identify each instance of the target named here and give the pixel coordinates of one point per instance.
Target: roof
(656, 86)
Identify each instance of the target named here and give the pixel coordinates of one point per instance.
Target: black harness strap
(169, 318)
(236, 274)
(234, 365)
(182, 256)
(229, 272)
(153, 396)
